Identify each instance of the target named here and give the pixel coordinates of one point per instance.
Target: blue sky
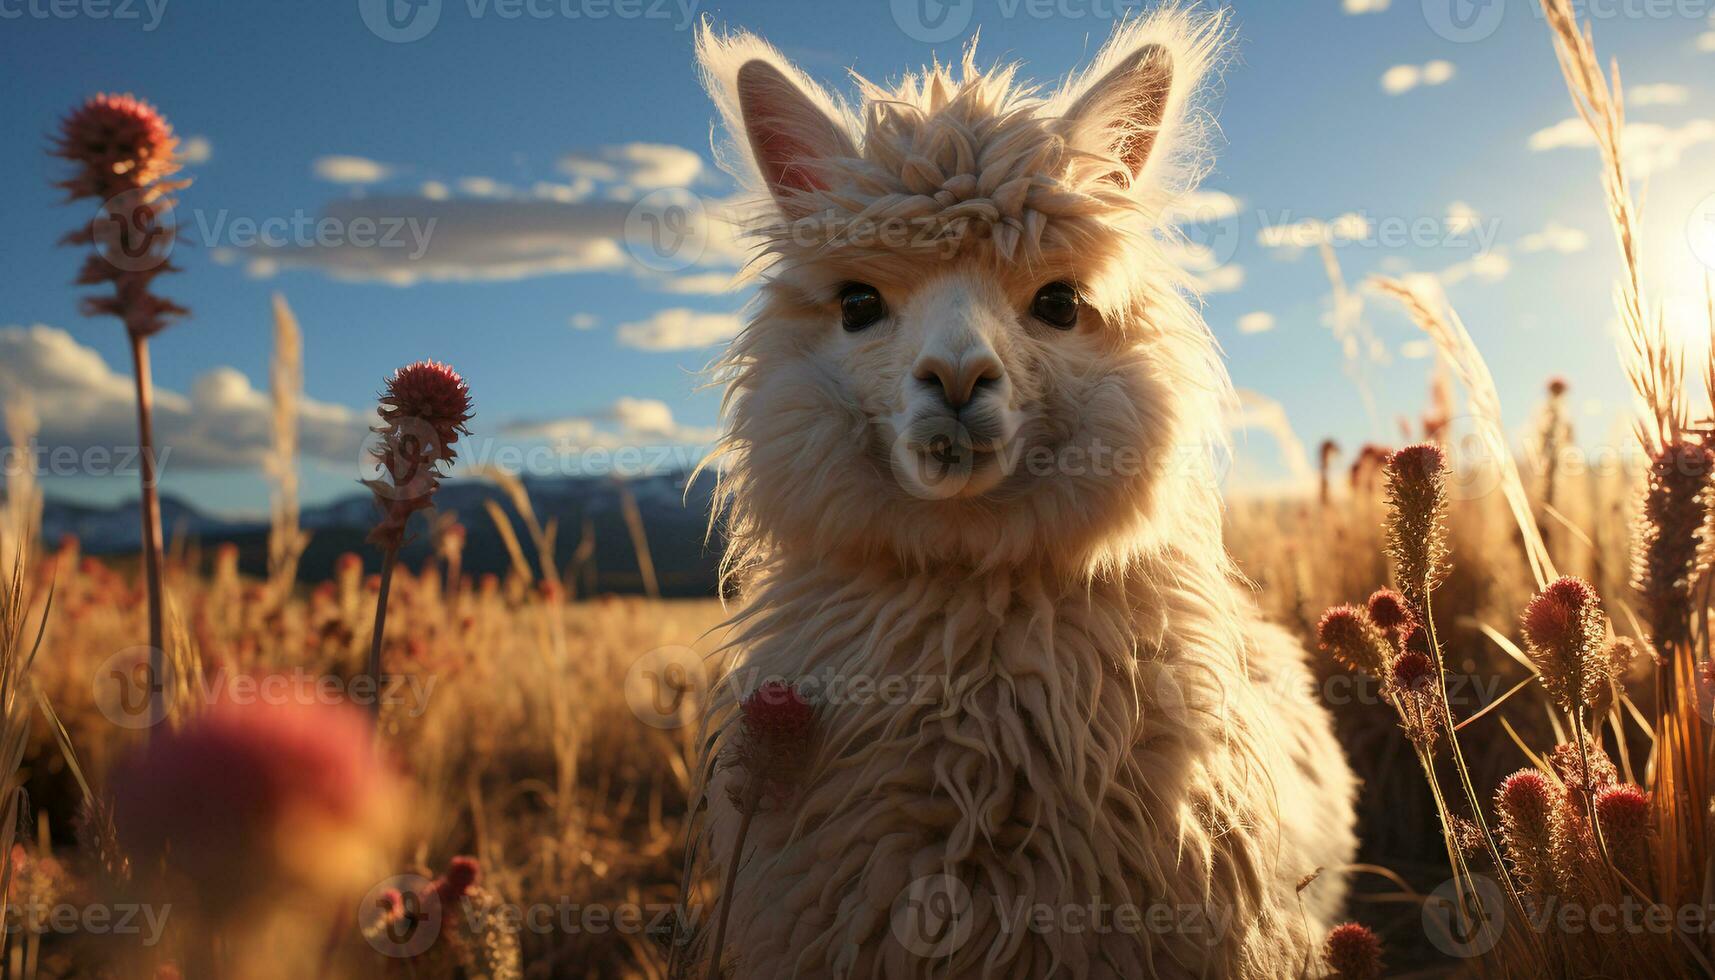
(522, 124)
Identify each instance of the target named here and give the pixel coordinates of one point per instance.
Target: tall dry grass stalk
(21, 521)
(286, 539)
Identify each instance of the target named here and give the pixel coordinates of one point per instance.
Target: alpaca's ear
(1122, 114)
(779, 121)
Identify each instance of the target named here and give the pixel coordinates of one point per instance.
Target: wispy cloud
(1661, 93)
(195, 149)
(1648, 147)
(679, 329)
(1555, 238)
(1403, 78)
(1258, 322)
(645, 166)
(627, 422)
(350, 170)
(1365, 6)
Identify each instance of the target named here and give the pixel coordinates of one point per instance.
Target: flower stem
(752, 800)
(372, 671)
(150, 504)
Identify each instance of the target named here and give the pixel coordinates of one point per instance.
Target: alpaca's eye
(1056, 304)
(860, 306)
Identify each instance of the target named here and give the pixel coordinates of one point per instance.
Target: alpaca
(967, 475)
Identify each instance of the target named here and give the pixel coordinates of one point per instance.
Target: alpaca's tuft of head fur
(960, 429)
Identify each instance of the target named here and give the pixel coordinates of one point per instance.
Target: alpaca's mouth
(940, 459)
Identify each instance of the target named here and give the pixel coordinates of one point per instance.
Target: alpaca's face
(970, 346)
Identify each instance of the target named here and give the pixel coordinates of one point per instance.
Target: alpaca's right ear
(778, 121)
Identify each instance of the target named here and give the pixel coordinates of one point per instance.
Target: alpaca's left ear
(1131, 106)
(1121, 115)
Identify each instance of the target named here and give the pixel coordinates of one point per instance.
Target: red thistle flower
(1623, 813)
(1526, 802)
(1563, 631)
(1353, 952)
(1347, 633)
(776, 725)
(1568, 760)
(247, 798)
(1392, 613)
(120, 143)
(424, 409)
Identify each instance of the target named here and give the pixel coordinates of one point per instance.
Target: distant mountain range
(674, 512)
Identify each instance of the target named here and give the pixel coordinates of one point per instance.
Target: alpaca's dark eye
(860, 306)
(1056, 304)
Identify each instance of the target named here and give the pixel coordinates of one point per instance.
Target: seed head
(1353, 952)
(1415, 689)
(1347, 633)
(1564, 632)
(1526, 802)
(776, 727)
(1568, 762)
(119, 143)
(1417, 520)
(1392, 613)
(1664, 556)
(424, 408)
(1623, 813)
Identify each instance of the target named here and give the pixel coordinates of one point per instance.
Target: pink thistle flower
(424, 406)
(1415, 688)
(1526, 801)
(120, 142)
(776, 725)
(249, 799)
(1347, 633)
(1563, 630)
(1392, 613)
(1568, 760)
(1353, 952)
(1623, 813)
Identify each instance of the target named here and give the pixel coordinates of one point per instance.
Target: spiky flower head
(1564, 632)
(1413, 685)
(424, 409)
(1353, 952)
(1355, 642)
(119, 142)
(1583, 768)
(1664, 556)
(1392, 613)
(777, 724)
(1525, 803)
(1417, 520)
(1623, 813)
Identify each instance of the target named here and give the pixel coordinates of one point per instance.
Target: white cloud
(195, 149)
(703, 283)
(646, 166)
(1555, 238)
(1311, 232)
(1648, 147)
(1485, 267)
(1403, 78)
(1202, 207)
(627, 422)
(1365, 6)
(1416, 350)
(679, 329)
(1706, 42)
(1258, 322)
(584, 321)
(350, 170)
(1462, 219)
(434, 190)
(1661, 93)
(483, 187)
(224, 422)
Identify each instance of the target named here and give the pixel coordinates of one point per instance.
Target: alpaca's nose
(959, 378)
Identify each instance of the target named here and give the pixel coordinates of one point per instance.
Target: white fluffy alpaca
(972, 510)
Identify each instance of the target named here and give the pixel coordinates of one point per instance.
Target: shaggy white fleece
(1054, 737)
